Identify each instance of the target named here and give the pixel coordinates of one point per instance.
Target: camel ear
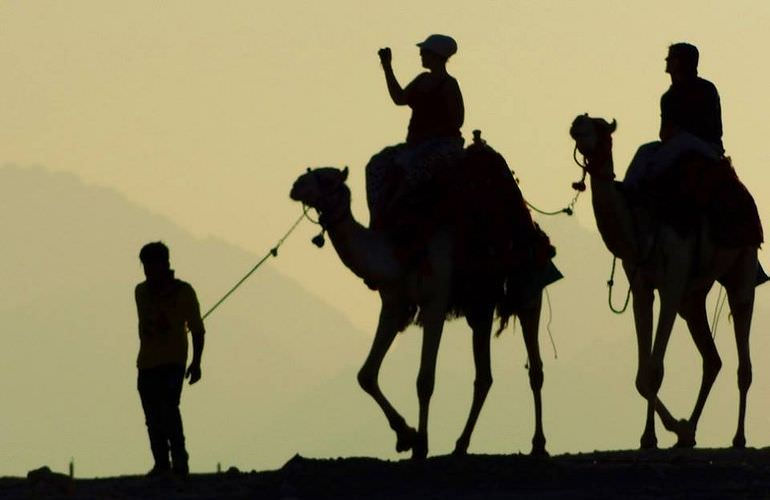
(308, 169)
(613, 125)
(345, 173)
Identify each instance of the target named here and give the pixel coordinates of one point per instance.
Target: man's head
(682, 59)
(437, 49)
(155, 259)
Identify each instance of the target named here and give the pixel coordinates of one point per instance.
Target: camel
(682, 269)
(370, 255)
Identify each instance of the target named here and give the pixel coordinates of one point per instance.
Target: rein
(318, 240)
(586, 166)
(272, 253)
(639, 264)
(579, 187)
(611, 282)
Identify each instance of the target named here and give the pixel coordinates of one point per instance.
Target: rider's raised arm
(394, 88)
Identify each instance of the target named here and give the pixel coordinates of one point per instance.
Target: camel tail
(523, 287)
(502, 324)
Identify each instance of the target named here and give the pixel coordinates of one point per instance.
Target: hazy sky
(207, 111)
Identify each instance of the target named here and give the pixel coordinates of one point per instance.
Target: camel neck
(613, 217)
(367, 253)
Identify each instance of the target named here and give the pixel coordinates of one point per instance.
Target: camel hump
(478, 199)
(704, 187)
(730, 207)
(488, 188)
(495, 242)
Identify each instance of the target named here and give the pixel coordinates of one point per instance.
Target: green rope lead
(720, 303)
(611, 282)
(569, 209)
(548, 325)
(272, 253)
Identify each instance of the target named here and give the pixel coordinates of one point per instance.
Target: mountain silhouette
(279, 371)
(69, 266)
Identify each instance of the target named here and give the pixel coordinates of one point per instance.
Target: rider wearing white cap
(433, 138)
(440, 44)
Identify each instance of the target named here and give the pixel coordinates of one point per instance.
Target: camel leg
(368, 375)
(694, 312)
(643, 299)
(480, 322)
(669, 300)
(740, 295)
(434, 302)
(742, 314)
(530, 324)
(433, 321)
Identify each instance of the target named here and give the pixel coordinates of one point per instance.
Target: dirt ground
(700, 473)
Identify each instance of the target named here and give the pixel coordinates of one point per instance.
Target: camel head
(315, 187)
(592, 135)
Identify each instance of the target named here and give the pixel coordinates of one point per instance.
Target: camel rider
(691, 120)
(433, 138)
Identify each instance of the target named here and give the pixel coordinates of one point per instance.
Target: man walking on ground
(167, 307)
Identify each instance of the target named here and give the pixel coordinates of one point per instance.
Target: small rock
(43, 479)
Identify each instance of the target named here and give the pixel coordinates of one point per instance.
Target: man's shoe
(181, 469)
(159, 470)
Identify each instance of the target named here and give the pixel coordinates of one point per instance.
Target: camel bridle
(327, 202)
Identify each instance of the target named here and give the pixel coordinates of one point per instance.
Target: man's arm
(197, 331)
(138, 298)
(394, 88)
(667, 126)
(715, 108)
(194, 370)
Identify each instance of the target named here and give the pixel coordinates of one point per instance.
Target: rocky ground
(701, 473)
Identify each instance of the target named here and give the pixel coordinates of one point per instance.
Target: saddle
(703, 188)
(478, 200)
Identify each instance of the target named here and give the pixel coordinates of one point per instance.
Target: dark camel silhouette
(682, 269)
(372, 256)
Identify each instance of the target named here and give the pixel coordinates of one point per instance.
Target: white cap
(442, 45)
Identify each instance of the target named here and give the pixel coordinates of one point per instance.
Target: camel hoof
(420, 448)
(406, 439)
(739, 442)
(461, 448)
(538, 447)
(460, 452)
(649, 442)
(685, 443)
(685, 433)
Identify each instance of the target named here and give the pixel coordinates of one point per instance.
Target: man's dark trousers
(160, 389)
